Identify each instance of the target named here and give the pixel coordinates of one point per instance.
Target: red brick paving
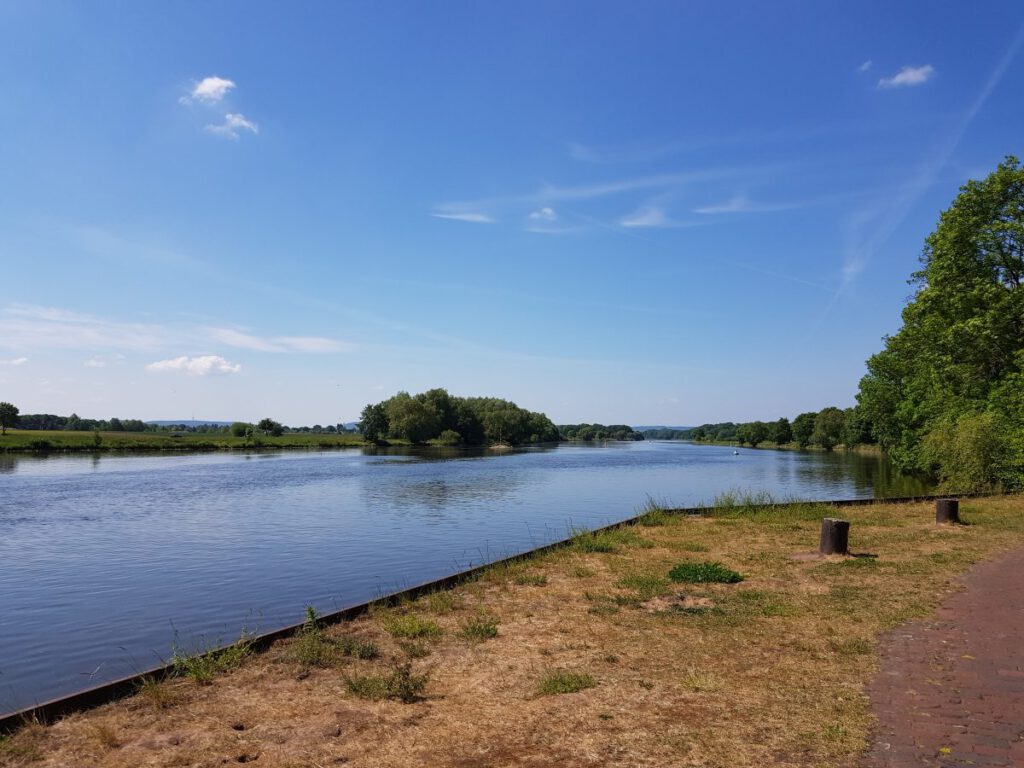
(950, 690)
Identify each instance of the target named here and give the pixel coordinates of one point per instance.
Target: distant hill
(191, 423)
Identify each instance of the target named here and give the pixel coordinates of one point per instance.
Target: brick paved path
(950, 691)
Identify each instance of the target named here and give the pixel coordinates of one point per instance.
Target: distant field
(58, 440)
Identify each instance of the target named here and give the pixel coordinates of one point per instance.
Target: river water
(108, 562)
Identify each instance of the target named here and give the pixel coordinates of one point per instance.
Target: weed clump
(653, 514)
(412, 627)
(441, 602)
(480, 628)
(203, 667)
(608, 541)
(704, 573)
(564, 681)
(313, 648)
(645, 585)
(531, 580)
(400, 684)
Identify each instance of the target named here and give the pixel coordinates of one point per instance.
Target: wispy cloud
(203, 365)
(209, 90)
(655, 181)
(647, 216)
(743, 204)
(242, 340)
(24, 326)
(15, 361)
(95, 362)
(231, 126)
(653, 215)
(473, 217)
(865, 66)
(908, 76)
(547, 213)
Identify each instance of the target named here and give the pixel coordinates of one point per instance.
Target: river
(108, 562)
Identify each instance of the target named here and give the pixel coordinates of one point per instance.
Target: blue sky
(620, 212)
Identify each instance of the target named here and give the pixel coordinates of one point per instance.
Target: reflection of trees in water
(870, 475)
(432, 453)
(448, 484)
(7, 463)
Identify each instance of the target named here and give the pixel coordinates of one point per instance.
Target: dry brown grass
(766, 672)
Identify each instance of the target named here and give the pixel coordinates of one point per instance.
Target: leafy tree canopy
(960, 352)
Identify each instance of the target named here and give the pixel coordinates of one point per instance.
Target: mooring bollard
(947, 510)
(835, 536)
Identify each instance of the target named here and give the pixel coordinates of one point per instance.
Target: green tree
(968, 453)
(270, 427)
(781, 432)
(828, 428)
(962, 335)
(803, 428)
(411, 418)
(373, 423)
(8, 417)
(856, 428)
(240, 428)
(753, 432)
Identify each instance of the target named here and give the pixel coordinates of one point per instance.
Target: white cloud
(475, 218)
(544, 214)
(865, 66)
(210, 90)
(743, 204)
(26, 326)
(15, 361)
(648, 216)
(236, 338)
(95, 362)
(204, 365)
(310, 344)
(908, 76)
(603, 189)
(232, 125)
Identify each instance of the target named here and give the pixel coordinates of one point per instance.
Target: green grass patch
(441, 602)
(412, 627)
(645, 585)
(608, 541)
(39, 440)
(401, 683)
(205, 666)
(653, 514)
(564, 681)
(479, 628)
(704, 573)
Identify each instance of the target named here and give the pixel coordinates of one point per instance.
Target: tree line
(438, 417)
(11, 417)
(586, 432)
(827, 428)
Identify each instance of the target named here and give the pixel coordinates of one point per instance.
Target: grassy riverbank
(45, 441)
(587, 656)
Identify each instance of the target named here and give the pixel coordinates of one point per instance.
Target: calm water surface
(106, 563)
